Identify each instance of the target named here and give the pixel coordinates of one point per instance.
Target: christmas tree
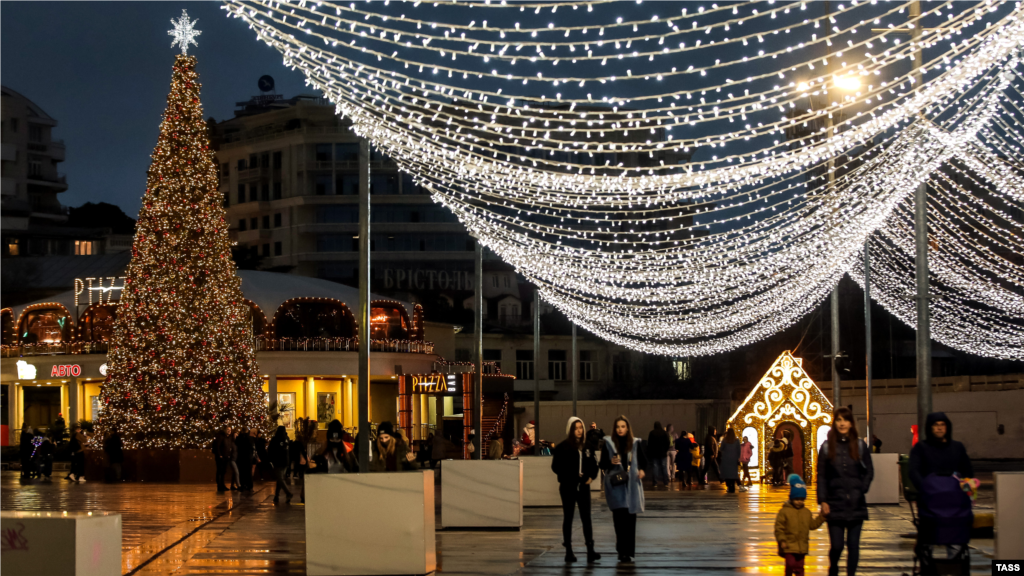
(182, 362)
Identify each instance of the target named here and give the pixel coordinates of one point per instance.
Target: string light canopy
(677, 178)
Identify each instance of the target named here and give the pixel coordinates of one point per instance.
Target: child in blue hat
(793, 527)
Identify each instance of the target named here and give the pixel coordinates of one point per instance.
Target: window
(241, 193)
(323, 153)
(277, 159)
(336, 243)
(225, 168)
(13, 247)
(277, 249)
(322, 185)
(524, 364)
(556, 364)
(384, 184)
(277, 220)
(83, 248)
(346, 152)
(682, 368)
(253, 225)
(253, 192)
(586, 365)
(277, 190)
(266, 250)
(493, 355)
(266, 222)
(348, 184)
(265, 192)
(265, 160)
(463, 355)
(241, 225)
(494, 281)
(35, 133)
(35, 168)
(507, 284)
(241, 164)
(253, 162)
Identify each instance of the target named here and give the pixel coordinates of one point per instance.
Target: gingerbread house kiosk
(786, 403)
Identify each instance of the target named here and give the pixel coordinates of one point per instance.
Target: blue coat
(631, 494)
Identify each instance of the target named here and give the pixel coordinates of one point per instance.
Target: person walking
(670, 462)
(25, 449)
(729, 457)
(245, 455)
(77, 445)
(218, 457)
(623, 461)
(390, 452)
(710, 457)
(280, 459)
(113, 446)
(231, 457)
(844, 476)
(746, 453)
(657, 454)
(575, 464)
(793, 525)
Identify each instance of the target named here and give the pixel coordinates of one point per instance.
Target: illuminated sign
(26, 371)
(434, 384)
(104, 290)
(418, 279)
(59, 370)
(103, 369)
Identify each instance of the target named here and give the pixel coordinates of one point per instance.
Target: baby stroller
(944, 519)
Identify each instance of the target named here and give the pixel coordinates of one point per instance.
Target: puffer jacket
(793, 528)
(843, 482)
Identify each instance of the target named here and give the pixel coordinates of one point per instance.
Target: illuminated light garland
(182, 362)
(621, 249)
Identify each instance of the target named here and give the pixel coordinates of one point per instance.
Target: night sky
(103, 70)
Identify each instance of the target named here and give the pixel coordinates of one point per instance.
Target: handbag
(620, 477)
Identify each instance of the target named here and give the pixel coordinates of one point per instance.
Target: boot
(592, 555)
(569, 556)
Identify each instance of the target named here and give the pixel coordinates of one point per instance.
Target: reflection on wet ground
(190, 529)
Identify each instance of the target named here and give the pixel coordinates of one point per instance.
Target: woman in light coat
(623, 453)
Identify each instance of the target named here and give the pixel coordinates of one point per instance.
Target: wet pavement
(190, 529)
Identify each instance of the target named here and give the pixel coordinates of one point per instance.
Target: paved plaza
(190, 529)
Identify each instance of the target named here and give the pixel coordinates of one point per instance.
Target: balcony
(54, 149)
(54, 181)
(264, 344)
(53, 349)
(250, 174)
(47, 205)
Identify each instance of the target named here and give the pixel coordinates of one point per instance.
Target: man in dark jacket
(658, 443)
(280, 459)
(939, 454)
(246, 454)
(939, 457)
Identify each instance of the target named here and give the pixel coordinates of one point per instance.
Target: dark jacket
(277, 450)
(228, 450)
(729, 457)
(710, 447)
(843, 482)
(658, 443)
(245, 449)
(566, 464)
(933, 456)
(114, 447)
(683, 444)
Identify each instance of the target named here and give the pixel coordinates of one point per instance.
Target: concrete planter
(540, 485)
(66, 543)
(482, 493)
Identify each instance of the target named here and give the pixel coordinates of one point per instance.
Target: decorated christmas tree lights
(182, 362)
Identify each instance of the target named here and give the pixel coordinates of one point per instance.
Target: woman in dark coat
(844, 476)
(575, 465)
(277, 451)
(390, 452)
(729, 457)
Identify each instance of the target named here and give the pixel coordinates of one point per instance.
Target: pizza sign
(433, 384)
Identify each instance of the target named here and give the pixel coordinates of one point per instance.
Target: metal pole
(575, 369)
(478, 391)
(868, 357)
(924, 338)
(536, 371)
(364, 306)
(837, 392)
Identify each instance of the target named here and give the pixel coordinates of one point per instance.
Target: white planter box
(1009, 526)
(885, 488)
(540, 485)
(482, 493)
(65, 543)
(377, 523)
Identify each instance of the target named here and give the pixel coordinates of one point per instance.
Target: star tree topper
(184, 33)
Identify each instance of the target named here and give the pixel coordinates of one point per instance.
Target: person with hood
(658, 443)
(623, 461)
(710, 457)
(113, 446)
(529, 435)
(793, 526)
(746, 453)
(729, 456)
(390, 452)
(844, 476)
(575, 464)
(280, 459)
(936, 464)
